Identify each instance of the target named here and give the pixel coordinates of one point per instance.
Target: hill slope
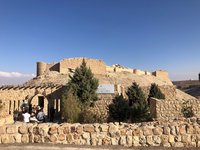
(191, 87)
(123, 78)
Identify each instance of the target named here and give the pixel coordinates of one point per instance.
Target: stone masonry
(182, 133)
(13, 96)
(170, 109)
(67, 66)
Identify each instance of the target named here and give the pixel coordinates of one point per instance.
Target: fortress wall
(117, 69)
(148, 73)
(97, 66)
(183, 134)
(53, 67)
(43, 67)
(163, 75)
(138, 72)
(123, 70)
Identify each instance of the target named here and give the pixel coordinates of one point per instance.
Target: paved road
(71, 147)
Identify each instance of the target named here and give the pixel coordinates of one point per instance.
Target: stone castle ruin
(47, 87)
(66, 66)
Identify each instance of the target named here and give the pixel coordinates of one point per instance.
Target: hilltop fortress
(98, 67)
(47, 88)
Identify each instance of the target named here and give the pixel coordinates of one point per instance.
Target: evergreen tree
(134, 94)
(137, 102)
(84, 84)
(156, 92)
(119, 109)
(71, 106)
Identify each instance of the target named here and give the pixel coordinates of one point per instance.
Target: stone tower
(41, 68)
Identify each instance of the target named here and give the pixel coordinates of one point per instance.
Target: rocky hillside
(123, 78)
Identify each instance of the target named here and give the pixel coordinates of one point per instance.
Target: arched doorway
(42, 101)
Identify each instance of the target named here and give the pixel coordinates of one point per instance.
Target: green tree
(156, 92)
(84, 84)
(134, 94)
(71, 106)
(119, 109)
(138, 103)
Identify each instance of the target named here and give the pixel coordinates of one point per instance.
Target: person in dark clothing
(40, 115)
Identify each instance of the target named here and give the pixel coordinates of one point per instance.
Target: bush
(187, 110)
(87, 116)
(156, 92)
(71, 107)
(139, 110)
(119, 109)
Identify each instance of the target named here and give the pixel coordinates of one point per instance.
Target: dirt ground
(73, 147)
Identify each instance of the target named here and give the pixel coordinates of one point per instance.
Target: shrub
(119, 109)
(187, 110)
(87, 116)
(71, 107)
(139, 110)
(156, 92)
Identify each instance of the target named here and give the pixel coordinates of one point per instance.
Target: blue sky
(144, 34)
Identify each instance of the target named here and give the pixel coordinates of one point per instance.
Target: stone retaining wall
(175, 134)
(170, 109)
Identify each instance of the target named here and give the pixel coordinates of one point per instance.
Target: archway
(42, 101)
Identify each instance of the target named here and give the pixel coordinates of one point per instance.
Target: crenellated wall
(185, 133)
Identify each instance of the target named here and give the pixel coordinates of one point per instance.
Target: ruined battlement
(68, 65)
